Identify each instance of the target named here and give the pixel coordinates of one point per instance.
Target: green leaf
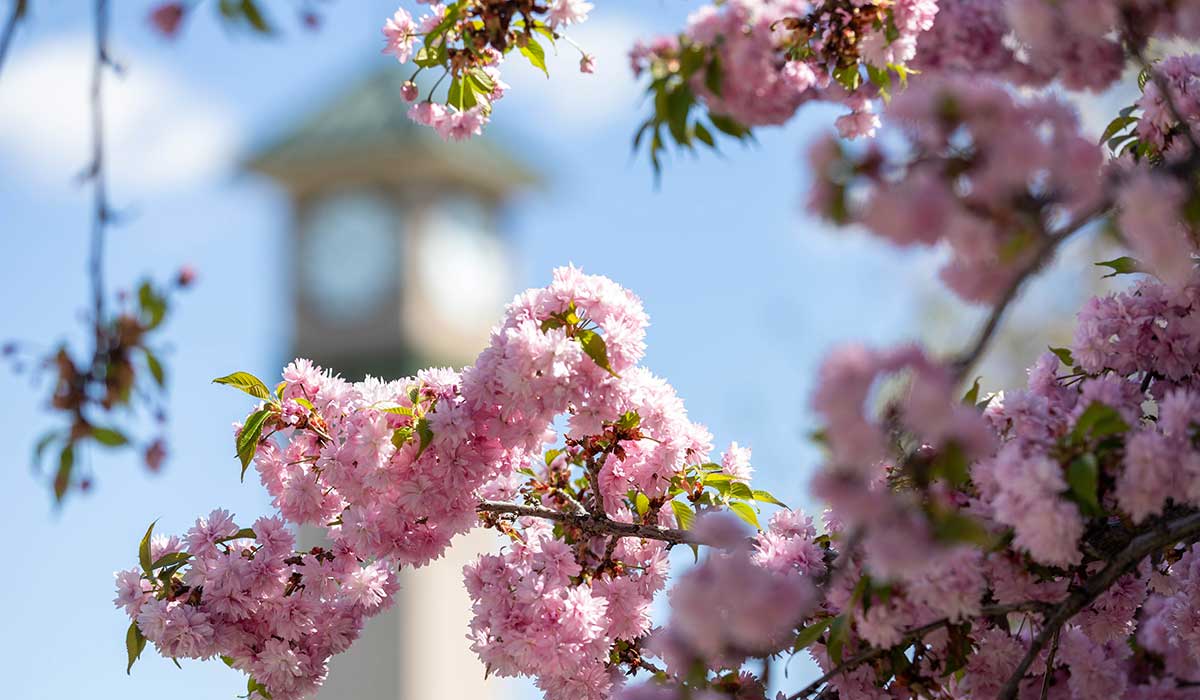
(957, 527)
(1083, 476)
(170, 560)
(40, 447)
(66, 465)
(481, 82)
(746, 513)
(1116, 126)
(810, 634)
(247, 440)
(401, 436)
(305, 403)
(245, 533)
(155, 367)
(535, 54)
(253, 686)
(642, 503)
(153, 305)
(684, 515)
(972, 396)
(1123, 265)
(739, 490)
(394, 408)
(728, 126)
(848, 76)
(255, 17)
(951, 464)
(766, 497)
(595, 348)
(838, 632)
(246, 382)
(144, 550)
(425, 433)
(461, 95)
(1064, 355)
(714, 76)
(704, 135)
(1098, 421)
(135, 642)
(109, 437)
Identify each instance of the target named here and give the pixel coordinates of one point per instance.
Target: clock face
(351, 256)
(461, 265)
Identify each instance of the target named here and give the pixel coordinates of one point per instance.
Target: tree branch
(965, 361)
(1123, 562)
(19, 8)
(909, 637)
(592, 523)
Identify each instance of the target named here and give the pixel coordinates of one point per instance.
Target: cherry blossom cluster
(390, 472)
(246, 596)
(1082, 44)
(749, 63)
(990, 175)
(467, 40)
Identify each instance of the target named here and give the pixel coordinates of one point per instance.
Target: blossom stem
(593, 523)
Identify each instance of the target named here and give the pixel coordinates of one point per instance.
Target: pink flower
(399, 32)
(566, 12)
(427, 113)
(455, 125)
(587, 63)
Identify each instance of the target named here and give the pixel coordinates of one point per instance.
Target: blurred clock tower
(396, 262)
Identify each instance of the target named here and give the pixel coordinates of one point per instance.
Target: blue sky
(745, 292)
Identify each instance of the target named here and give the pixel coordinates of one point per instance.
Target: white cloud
(572, 101)
(161, 135)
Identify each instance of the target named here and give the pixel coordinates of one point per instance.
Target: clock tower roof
(365, 133)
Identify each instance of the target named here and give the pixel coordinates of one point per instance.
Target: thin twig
(1122, 563)
(19, 8)
(909, 637)
(96, 172)
(965, 361)
(1049, 667)
(601, 525)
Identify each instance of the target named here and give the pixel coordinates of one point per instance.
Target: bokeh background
(746, 292)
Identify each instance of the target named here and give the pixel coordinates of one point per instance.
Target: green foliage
(839, 631)
(746, 513)
(809, 635)
(1123, 265)
(674, 101)
(246, 382)
(1083, 477)
(144, 551)
(249, 437)
(245, 14)
(135, 643)
(1097, 422)
(535, 54)
(1064, 355)
(684, 514)
(595, 348)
